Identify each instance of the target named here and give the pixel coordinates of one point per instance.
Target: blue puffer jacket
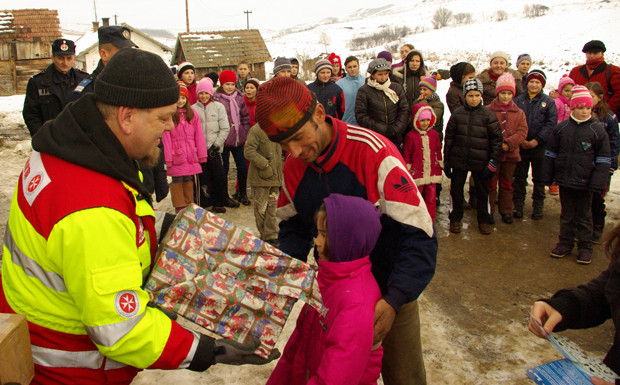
(541, 115)
(330, 96)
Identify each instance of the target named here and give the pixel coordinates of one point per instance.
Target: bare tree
(535, 10)
(463, 18)
(325, 39)
(501, 15)
(441, 17)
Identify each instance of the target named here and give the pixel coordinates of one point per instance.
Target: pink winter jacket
(422, 150)
(563, 107)
(185, 147)
(336, 350)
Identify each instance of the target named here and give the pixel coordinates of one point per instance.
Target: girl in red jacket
(338, 348)
(514, 129)
(422, 154)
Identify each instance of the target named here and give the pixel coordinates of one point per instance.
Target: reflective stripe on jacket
(78, 246)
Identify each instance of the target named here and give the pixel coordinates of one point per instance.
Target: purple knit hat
(353, 227)
(385, 55)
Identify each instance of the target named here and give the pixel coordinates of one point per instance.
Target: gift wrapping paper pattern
(226, 280)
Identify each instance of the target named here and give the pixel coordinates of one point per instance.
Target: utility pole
(248, 18)
(95, 6)
(115, 19)
(187, 16)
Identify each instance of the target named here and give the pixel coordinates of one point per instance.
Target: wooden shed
(222, 50)
(26, 37)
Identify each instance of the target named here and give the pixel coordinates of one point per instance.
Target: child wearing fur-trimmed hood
(422, 154)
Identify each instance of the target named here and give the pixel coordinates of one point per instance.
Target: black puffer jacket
(578, 156)
(375, 111)
(473, 137)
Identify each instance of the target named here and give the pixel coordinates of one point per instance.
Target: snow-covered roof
(221, 48)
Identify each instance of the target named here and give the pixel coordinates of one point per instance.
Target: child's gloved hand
(490, 170)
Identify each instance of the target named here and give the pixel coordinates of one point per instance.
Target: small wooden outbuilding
(26, 37)
(222, 50)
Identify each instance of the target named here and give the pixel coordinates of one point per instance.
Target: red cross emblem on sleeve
(127, 303)
(34, 183)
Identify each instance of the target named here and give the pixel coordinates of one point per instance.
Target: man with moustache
(49, 91)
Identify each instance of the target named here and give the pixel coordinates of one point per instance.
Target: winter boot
(537, 214)
(584, 257)
(518, 211)
(560, 251)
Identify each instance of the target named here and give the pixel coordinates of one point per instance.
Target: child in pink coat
(562, 102)
(184, 150)
(422, 154)
(338, 348)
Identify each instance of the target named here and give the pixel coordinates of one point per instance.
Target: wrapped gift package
(228, 281)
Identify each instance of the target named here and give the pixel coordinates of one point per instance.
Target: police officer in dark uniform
(112, 38)
(49, 91)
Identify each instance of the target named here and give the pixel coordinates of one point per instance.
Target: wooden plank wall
(14, 76)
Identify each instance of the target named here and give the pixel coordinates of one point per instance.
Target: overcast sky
(204, 14)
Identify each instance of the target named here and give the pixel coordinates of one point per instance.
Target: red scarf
(493, 76)
(592, 64)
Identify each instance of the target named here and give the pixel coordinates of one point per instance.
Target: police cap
(63, 47)
(116, 35)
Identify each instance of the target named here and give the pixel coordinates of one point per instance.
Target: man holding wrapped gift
(81, 237)
(329, 156)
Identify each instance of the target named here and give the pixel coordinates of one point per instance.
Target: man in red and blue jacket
(330, 156)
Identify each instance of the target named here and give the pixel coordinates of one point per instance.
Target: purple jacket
(338, 349)
(238, 134)
(185, 147)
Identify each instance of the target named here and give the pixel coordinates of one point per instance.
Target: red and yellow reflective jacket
(77, 248)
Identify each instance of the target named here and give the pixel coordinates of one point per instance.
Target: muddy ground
(474, 311)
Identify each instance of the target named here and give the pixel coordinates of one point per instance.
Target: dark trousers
(534, 157)
(576, 218)
(242, 167)
(214, 180)
(598, 208)
(457, 183)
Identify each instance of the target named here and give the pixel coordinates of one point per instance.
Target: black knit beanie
(459, 70)
(136, 78)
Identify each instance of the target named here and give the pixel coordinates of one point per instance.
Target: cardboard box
(15, 353)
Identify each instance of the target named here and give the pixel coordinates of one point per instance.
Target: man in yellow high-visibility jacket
(81, 238)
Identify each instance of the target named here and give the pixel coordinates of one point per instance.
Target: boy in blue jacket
(578, 160)
(542, 117)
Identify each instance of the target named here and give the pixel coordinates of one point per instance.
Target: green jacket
(265, 159)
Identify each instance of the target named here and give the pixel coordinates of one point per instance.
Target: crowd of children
(501, 124)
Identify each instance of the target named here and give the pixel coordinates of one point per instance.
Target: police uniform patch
(126, 34)
(80, 87)
(127, 303)
(543, 104)
(44, 92)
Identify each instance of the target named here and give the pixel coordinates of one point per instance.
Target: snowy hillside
(554, 40)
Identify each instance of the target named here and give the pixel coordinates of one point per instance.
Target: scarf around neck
(593, 64)
(385, 87)
(234, 109)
